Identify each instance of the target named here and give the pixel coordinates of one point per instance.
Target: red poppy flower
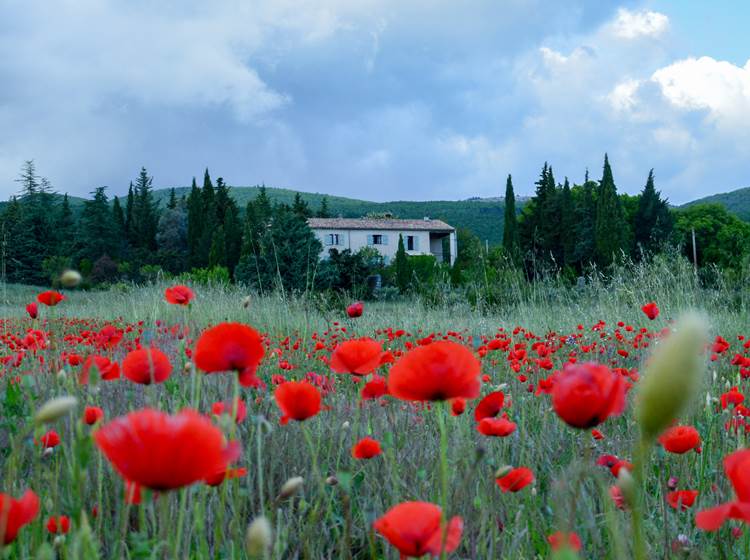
(179, 295)
(220, 408)
(682, 498)
(107, 370)
(298, 400)
(439, 371)
(230, 346)
(366, 448)
(16, 514)
(375, 388)
(490, 406)
(133, 493)
(58, 525)
(32, 310)
(737, 469)
(561, 541)
(680, 439)
(358, 357)
(50, 439)
(355, 309)
(596, 434)
(651, 310)
(458, 406)
(414, 529)
(147, 366)
(585, 395)
(617, 497)
(497, 427)
(733, 397)
(515, 479)
(50, 298)
(92, 415)
(164, 452)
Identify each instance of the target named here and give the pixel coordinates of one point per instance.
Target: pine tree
(653, 221)
(65, 227)
(403, 273)
(145, 213)
(217, 255)
(118, 229)
(323, 211)
(585, 212)
(610, 229)
(172, 204)
(510, 226)
(97, 234)
(300, 206)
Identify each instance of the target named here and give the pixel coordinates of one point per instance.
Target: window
(412, 243)
(333, 239)
(377, 239)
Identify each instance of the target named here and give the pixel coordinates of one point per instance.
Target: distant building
(421, 237)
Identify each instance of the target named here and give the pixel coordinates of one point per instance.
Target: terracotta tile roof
(380, 224)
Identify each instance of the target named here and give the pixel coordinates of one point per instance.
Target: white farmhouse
(421, 237)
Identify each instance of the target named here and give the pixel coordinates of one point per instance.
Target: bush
(216, 276)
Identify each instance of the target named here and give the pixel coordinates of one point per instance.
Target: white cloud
(645, 23)
(719, 87)
(623, 95)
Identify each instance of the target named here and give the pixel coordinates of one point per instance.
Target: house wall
(356, 239)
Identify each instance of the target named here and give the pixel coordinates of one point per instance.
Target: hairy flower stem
(636, 508)
(441, 412)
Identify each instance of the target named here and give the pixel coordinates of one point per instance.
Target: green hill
(737, 202)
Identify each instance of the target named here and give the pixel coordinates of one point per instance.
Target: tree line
(267, 245)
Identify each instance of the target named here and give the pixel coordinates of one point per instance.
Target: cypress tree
(97, 234)
(210, 222)
(610, 225)
(65, 227)
(217, 254)
(300, 206)
(129, 204)
(510, 226)
(118, 222)
(403, 274)
(653, 221)
(145, 210)
(585, 212)
(194, 224)
(172, 204)
(567, 225)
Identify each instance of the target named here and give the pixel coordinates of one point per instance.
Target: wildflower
(59, 525)
(651, 310)
(16, 514)
(680, 439)
(358, 357)
(498, 427)
(458, 406)
(107, 369)
(147, 366)
(683, 499)
(179, 295)
(92, 415)
(50, 298)
(227, 474)
(737, 469)
(585, 395)
(50, 440)
(733, 397)
(490, 406)
(219, 408)
(515, 479)
(562, 541)
(163, 452)
(298, 400)
(414, 529)
(230, 346)
(375, 388)
(32, 310)
(440, 371)
(366, 448)
(355, 309)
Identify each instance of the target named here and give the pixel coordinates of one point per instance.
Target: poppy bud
(291, 487)
(258, 538)
(345, 425)
(188, 367)
(61, 375)
(627, 486)
(671, 378)
(246, 302)
(70, 279)
(332, 481)
(54, 409)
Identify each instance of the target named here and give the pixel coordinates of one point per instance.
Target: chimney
(426, 218)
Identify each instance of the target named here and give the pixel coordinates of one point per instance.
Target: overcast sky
(382, 100)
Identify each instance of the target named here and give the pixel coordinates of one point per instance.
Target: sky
(381, 100)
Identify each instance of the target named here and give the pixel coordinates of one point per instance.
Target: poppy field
(198, 422)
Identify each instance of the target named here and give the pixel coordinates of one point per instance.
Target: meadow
(318, 500)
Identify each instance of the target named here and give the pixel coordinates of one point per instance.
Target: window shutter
(416, 243)
(385, 239)
(370, 240)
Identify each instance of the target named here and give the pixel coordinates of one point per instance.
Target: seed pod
(258, 538)
(54, 409)
(70, 278)
(291, 487)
